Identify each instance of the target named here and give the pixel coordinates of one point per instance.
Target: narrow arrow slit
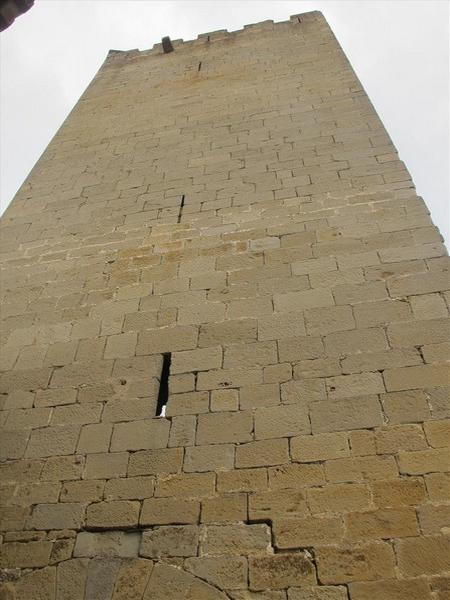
(180, 212)
(163, 394)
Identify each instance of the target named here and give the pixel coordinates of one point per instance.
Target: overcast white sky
(399, 49)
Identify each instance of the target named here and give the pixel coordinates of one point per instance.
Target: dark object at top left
(11, 9)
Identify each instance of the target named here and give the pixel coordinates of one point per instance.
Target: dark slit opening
(163, 394)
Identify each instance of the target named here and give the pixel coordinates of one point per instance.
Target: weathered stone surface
(235, 539)
(425, 556)
(57, 516)
(168, 511)
(238, 207)
(209, 458)
(225, 572)
(367, 562)
(407, 589)
(139, 435)
(108, 515)
(280, 571)
(107, 544)
(224, 508)
(25, 555)
(180, 540)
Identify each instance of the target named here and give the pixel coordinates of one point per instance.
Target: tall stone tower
(224, 338)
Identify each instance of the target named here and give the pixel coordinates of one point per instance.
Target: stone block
(434, 518)
(322, 321)
(108, 515)
(303, 392)
(189, 403)
(216, 457)
(277, 504)
(180, 540)
(354, 413)
(225, 400)
(14, 443)
(233, 331)
(294, 532)
(167, 339)
(201, 359)
(26, 555)
(281, 421)
(344, 343)
(390, 440)
(280, 326)
(365, 562)
(107, 544)
(319, 447)
(50, 441)
(437, 433)
(385, 523)
(182, 431)
(418, 333)
(344, 497)
(63, 468)
(242, 480)
(82, 491)
(361, 468)
(37, 584)
(359, 293)
(424, 461)
(169, 511)
(155, 462)
(407, 589)
(235, 539)
(280, 571)
(224, 572)
(106, 466)
(250, 355)
(421, 376)
(129, 488)
(57, 516)
(186, 485)
(374, 314)
(262, 453)
(228, 378)
(132, 579)
(94, 438)
(293, 301)
(347, 386)
(223, 428)
(140, 435)
(409, 406)
(71, 579)
(295, 476)
(224, 509)
(418, 556)
(121, 345)
(294, 349)
(398, 492)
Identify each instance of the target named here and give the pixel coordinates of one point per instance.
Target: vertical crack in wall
(180, 212)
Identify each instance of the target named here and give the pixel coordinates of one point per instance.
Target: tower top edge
(222, 34)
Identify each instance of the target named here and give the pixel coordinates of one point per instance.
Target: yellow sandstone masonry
(224, 371)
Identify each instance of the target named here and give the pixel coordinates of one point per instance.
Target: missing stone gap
(163, 394)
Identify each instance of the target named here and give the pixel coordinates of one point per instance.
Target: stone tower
(224, 338)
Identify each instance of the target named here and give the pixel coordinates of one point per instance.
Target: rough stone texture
(303, 294)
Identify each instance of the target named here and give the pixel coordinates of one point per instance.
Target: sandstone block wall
(235, 204)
